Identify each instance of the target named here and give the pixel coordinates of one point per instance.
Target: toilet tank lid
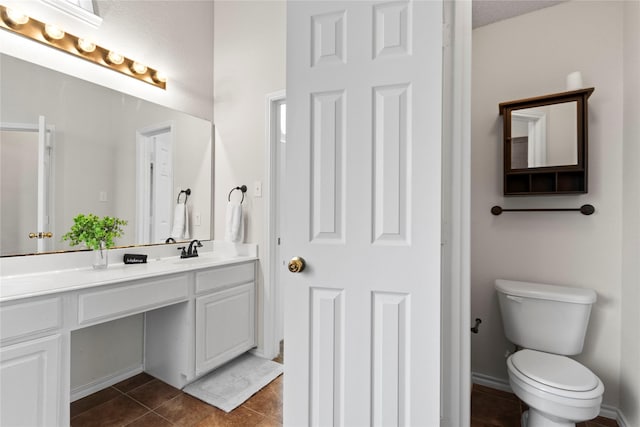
(547, 292)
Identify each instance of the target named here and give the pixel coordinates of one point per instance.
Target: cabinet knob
(296, 265)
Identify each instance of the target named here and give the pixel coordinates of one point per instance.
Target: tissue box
(135, 259)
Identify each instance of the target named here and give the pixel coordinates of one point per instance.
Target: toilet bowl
(559, 391)
(549, 323)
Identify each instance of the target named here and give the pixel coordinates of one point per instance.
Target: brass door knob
(41, 235)
(296, 265)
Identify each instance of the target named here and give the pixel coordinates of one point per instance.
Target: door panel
(327, 158)
(390, 160)
(362, 320)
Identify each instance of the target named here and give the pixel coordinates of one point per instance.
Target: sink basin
(198, 260)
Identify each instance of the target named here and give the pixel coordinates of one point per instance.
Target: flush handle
(475, 329)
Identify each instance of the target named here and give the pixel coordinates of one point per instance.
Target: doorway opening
(276, 113)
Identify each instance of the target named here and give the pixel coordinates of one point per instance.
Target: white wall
(527, 56)
(630, 338)
(173, 36)
(249, 63)
(106, 349)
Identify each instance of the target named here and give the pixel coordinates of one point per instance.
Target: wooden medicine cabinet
(545, 144)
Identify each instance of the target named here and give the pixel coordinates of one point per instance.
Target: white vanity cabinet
(30, 363)
(225, 315)
(198, 313)
(185, 341)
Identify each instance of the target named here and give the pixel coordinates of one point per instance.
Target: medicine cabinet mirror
(545, 144)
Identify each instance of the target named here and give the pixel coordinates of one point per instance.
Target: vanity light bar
(53, 36)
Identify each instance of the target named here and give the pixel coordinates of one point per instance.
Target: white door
(162, 187)
(25, 217)
(154, 187)
(363, 197)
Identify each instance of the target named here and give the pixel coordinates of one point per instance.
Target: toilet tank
(544, 317)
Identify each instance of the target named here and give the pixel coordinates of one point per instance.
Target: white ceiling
(488, 11)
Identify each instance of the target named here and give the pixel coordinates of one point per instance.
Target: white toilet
(549, 323)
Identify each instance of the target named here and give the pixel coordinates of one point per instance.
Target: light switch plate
(257, 189)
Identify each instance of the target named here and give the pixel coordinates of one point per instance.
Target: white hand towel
(179, 221)
(234, 231)
(186, 222)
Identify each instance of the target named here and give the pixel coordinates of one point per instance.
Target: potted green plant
(95, 233)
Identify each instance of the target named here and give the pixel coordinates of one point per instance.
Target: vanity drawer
(30, 317)
(223, 277)
(123, 300)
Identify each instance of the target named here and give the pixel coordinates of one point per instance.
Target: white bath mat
(230, 385)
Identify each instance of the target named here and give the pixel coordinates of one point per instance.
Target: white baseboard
(259, 351)
(104, 382)
(620, 418)
(606, 411)
(492, 382)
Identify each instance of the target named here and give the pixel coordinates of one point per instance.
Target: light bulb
(138, 68)
(52, 32)
(14, 17)
(86, 46)
(114, 58)
(159, 77)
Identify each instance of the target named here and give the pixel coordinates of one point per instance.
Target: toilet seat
(555, 374)
(554, 370)
(550, 405)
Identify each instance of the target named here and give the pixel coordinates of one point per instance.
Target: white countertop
(27, 285)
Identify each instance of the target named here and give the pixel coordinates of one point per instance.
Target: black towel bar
(584, 210)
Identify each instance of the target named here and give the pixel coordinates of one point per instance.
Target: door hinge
(446, 34)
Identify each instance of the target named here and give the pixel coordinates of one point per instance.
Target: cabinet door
(30, 383)
(225, 326)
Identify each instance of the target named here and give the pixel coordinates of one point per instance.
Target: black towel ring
(186, 192)
(242, 188)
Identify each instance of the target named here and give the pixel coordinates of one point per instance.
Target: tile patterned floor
(143, 401)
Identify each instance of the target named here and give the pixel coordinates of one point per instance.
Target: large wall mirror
(545, 144)
(68, 146)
